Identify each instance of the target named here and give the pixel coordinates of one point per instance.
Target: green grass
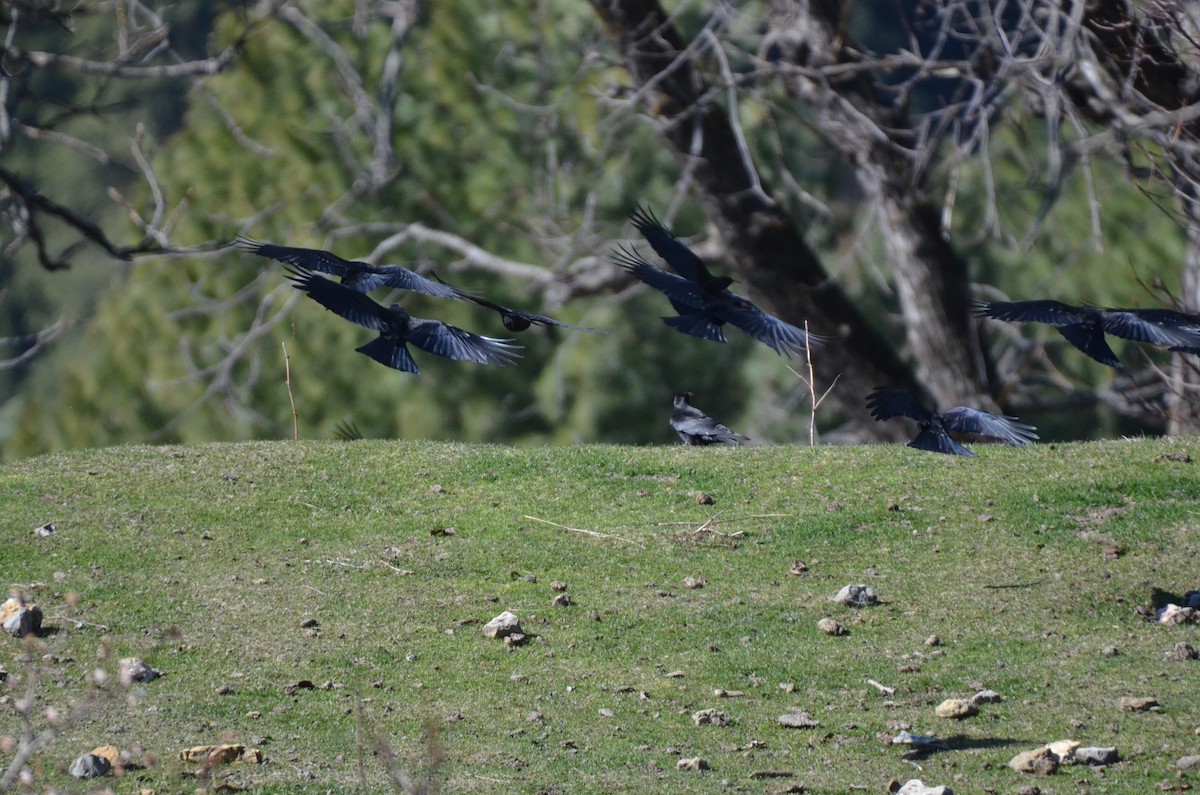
(204, 561)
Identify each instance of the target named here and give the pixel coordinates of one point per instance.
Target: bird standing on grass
(697, 428)
(361, 277)
(703, 301)
(1085, 326)
(887, 402)
(396, 328)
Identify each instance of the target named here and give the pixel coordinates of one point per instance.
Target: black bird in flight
(703, 301)
(1085, 326)
(358, 276)
(396, 328)
(695, 427)
(519, 320)
(893, 401)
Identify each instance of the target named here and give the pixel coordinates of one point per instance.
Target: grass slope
(205, 561)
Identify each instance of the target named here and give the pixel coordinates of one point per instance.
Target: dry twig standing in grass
(287, 380)
(810, 382)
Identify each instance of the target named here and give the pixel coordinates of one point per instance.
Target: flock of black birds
(703, 304)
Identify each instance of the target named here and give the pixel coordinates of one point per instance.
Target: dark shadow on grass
(960, 742)
(1160, 598)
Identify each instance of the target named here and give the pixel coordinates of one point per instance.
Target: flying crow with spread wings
(697, 428)
(887, 402)
(361, 277)
(1085, 326)
(703, 301)
(396, 328)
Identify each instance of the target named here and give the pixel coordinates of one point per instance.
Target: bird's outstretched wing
(985, 423)
(519, 320)
(681, 291)
(309, 259)
(404, 279)
(1090, 340)
(341, 300)
(1153, 326)
(358, 276)
(682, 259)
(452, 342)
(1055, 313)
(887, 402)
(783, 337)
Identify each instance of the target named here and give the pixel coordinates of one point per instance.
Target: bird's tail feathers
(697, 325)
(391, 354)
(939, 442)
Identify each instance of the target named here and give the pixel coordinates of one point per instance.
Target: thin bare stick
(78, 622)
(810, 382)
(287, 379)
(714, 520)
(585, 532)
(887, 691)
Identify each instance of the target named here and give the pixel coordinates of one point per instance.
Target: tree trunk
(872, 134)
(771, 257)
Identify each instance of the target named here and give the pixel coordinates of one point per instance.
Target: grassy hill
(369, 568)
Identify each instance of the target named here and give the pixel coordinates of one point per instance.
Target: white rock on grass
(712, 716)
(1174, 614)
(20, 618)
(502, 625)
(1063, 749)
(1096, 755)
(133, 670)
(919, 741)
(917, 787)
(1046, 760)
(986, 697)
(694, 763)
(90, 766)
(797, 720)
(831, 627)
(956, 708)
(856, 596)
(1040, 760)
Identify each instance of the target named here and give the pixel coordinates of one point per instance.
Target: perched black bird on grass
(358, 276)
(519, 320)
(396, 327)
(1085, 326)
(703, 301)
(695, 427)
(893, 401)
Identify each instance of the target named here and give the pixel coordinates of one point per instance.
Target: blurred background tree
(503, 147)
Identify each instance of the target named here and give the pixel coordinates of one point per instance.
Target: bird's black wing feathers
(1090, 340)
(1153, 326)
(452, 342)
(405, 279)
(1052, 312)
(310, 259)
(783, 337)
(985, 423)
(682, 259)
(887, 402)
(519, 320)
(341, 300)
(681, 291)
